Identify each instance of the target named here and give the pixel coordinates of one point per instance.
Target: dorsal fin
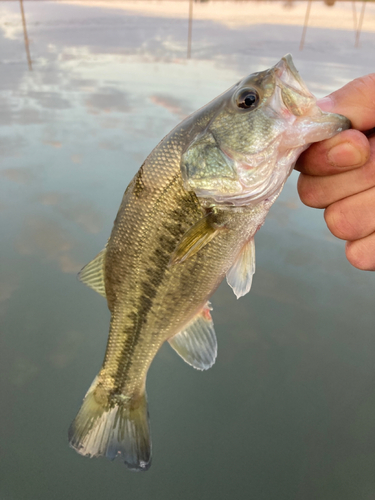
(197, 344)
(92, 274)
(240, 275)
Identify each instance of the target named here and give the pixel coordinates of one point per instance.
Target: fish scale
(186, 220)
(165, 282)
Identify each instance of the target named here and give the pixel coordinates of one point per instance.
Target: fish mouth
(295, 95)
(310, 123)
(288, 76)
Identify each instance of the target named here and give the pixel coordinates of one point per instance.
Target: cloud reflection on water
(107, 100)
(45, 237)
(20, 175)
(173, 105)
(66, 349)
(80, 212)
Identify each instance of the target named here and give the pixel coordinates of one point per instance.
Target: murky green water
(288, 411)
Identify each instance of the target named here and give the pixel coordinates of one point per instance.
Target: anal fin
(240, 275)
(197, 344)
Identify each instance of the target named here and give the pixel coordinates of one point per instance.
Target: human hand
(339, 174)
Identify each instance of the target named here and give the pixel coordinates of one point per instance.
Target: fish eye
(247, 98)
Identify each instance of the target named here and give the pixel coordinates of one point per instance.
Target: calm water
(288, 411)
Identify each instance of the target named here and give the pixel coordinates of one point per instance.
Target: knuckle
(365, 87)
(368, 171)
(339, 223)
(308, 193)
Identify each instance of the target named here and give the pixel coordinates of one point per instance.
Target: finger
(321, 191)
(361, 253)
(356, 101)
(347, 150)
(352, 218)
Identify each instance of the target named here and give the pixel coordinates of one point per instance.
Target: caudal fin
(119, 429)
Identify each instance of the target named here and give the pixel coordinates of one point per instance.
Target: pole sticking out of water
(307, 15)
(354, 15)
(26, 38)
(359, 27)
(190, 28)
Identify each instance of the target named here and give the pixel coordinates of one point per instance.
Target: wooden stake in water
(359, 28)
(190, 28)
(307, 15)
(354, 15)
(26, 38)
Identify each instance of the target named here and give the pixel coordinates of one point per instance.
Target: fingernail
(325, 104)
(344, 155)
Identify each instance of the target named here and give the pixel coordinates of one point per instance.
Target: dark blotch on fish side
(139, 185)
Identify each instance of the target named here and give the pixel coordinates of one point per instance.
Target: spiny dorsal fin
(197, 344)
(240, 275)
(197, 237)
(92, 274)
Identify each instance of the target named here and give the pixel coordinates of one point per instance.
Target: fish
(187, 220)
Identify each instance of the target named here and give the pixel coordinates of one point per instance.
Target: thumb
(356, 101)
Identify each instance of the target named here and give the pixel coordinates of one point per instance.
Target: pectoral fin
(240, 275)
(92, 274)
(197, 344)
(197, 237)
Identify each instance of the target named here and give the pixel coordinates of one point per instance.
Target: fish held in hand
(186, 221)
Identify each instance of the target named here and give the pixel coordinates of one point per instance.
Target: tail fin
(119, 429)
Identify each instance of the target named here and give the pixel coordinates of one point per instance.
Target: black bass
(186, 221)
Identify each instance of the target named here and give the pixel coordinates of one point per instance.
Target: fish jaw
(307, 122)
(295, 95)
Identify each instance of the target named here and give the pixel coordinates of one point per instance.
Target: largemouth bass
(186, 221)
